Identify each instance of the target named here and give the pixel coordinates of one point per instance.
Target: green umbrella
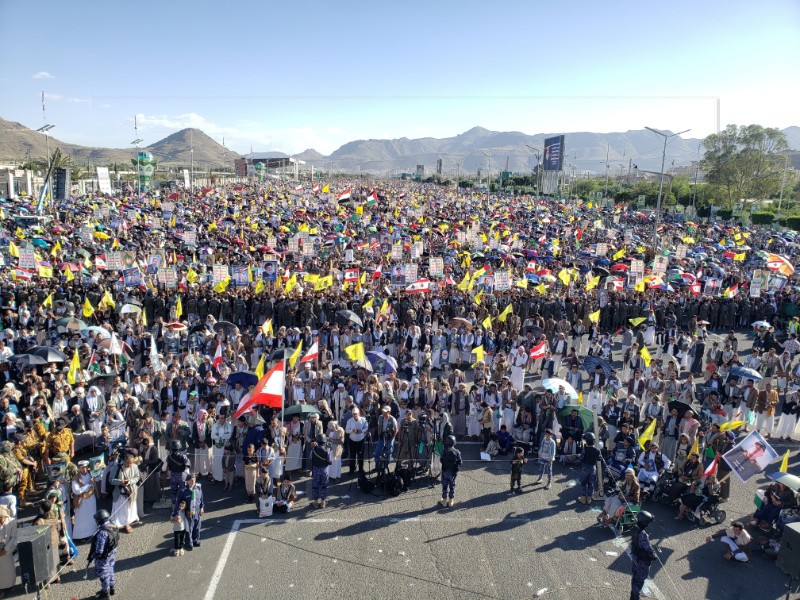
(584, 413)
(790, 481)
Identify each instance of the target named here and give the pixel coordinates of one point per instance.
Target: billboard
(554, 153)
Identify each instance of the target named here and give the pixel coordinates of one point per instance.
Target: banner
(239, 276)
(553, 153)
(132, 277)
(637, 266)
(397, 251)
(750, 456)
(167, 277)
(219, 273)
(601, 249)
(27, 258)
(759, 282)
(103, 180)
(186, 183)
(190, 238)
(436, 266)
(660, 265)
(411, 273)
(270, 270)
(502, 281)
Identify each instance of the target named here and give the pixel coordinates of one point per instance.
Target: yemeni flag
(298, 188)
(376, 274)
(268, 391)
(732, 291)
(315, 189)
(538, 351)
(344, 196)
(420, 286)
(217, 357)
(313, 352)
(711, 469)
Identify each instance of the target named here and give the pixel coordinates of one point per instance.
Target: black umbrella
(101, 380)
(27, 360)
(50, 354)
(682, 407)
(226, 327)
(201, 328)
(349, 315)
(590, 363)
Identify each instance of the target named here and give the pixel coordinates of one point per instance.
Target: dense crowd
(412, 313)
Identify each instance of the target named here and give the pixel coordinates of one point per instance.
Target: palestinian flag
(94, 364)
(372, 199)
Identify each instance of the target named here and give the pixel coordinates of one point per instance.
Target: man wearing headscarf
(84, 502)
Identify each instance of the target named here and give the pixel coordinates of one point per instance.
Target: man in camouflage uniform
(28, 465)
(10, 468)
(60, 441)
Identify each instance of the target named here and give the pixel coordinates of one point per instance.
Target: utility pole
(605, 191)
(783, 184)
(666, 137)
(538, 171)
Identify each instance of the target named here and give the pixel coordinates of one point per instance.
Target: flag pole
(283, 388)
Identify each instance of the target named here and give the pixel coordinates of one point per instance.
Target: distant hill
(309, 155)
(19, 142)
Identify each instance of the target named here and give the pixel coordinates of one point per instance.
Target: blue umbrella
(602, 261)
(590, 363)
(40, 243)
(532, 277)
(104, 333)
(379, 358)
(746, 373)
(246, 378)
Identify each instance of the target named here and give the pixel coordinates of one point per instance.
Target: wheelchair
(707, 513)
(628, 518)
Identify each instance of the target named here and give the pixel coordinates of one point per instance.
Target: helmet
(175, 445)
(589, 438)
(320, 439)
(643, 519)
(101, 516)
(450, 441)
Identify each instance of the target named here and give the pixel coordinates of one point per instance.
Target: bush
(762, 218)
(724, 214)
(792, 222)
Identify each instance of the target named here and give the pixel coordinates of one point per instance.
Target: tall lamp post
(136, 143)
(666, 137)
(45, 129)
(538, 153)
(488, 173)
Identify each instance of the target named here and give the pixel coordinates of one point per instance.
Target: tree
(744, 162)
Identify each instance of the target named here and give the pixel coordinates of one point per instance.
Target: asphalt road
(541, 543)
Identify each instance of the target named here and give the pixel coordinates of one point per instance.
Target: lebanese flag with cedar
(351, 275)
(217, 357)
(420, 286)
(268, 391)
(538, 351)
(696, 288)
(313, 352)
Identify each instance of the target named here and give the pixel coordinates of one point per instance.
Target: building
(274, 165)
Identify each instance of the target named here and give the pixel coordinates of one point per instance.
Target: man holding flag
(652, 463)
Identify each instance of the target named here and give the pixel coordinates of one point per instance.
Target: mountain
(18, 142)
(309, 155)
(793, 137)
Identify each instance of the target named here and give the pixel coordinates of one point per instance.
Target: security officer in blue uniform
(104, 553)
(192, 494)
(642, 554)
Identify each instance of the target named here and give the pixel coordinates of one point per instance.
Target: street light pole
(666, 137)
(538, 153)
(783, 184)
(136, 143)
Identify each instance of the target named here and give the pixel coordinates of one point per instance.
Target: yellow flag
(310, 278)
(74, 368)
(593, 283)
(355, 352)
(785, 463)
(563, 275)
(144, 319)
(212, 226)
(637, 321)
(645, 354)
(487, 322)
(595, 316)
(504, 315)
(479, 354)
(290, 283)
(46, 272)
(326, 188)
(696, 446)
(639, 286)
(178, 308)
(48, 302)
(541, 288)
(266, 327)
(477, 298)
(384, 307)
(88, 311)
(249, 274)
(323, 283)
(368, 303)
(522, 283)
(108, 300)
(191, 275)
(222, 285)
(647, 435)
(260, 286)
(464, 283)
(740, 257)
(260, 367)
(87, 263)
(731, 425)
(295, 355)
(13, 250)
(580, 397)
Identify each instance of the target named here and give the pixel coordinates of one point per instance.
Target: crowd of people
(133, 328)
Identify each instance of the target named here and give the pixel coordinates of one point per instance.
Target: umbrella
(134, 301)
(72, 324)
(349, 315)
(130, 308)
(27, 360)
(303, 410)
(554, 383)
(790, 481)
(246, 378)
(200, 327)
(121, 347)
(746, 373)
(226, 327)
(279, 354)
(379, 359)
(459, 323)
(95, 329)
(682, 407)
(175, 326)
(590, 363)
(51, 355)
(101, 380)
(585, 414)
(760, 324)
(531, 400)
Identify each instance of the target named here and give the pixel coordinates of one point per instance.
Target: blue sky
(294, 75)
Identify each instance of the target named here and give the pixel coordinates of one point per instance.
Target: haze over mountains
(473, 149)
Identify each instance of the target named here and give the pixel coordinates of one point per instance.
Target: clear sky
(294, 75)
